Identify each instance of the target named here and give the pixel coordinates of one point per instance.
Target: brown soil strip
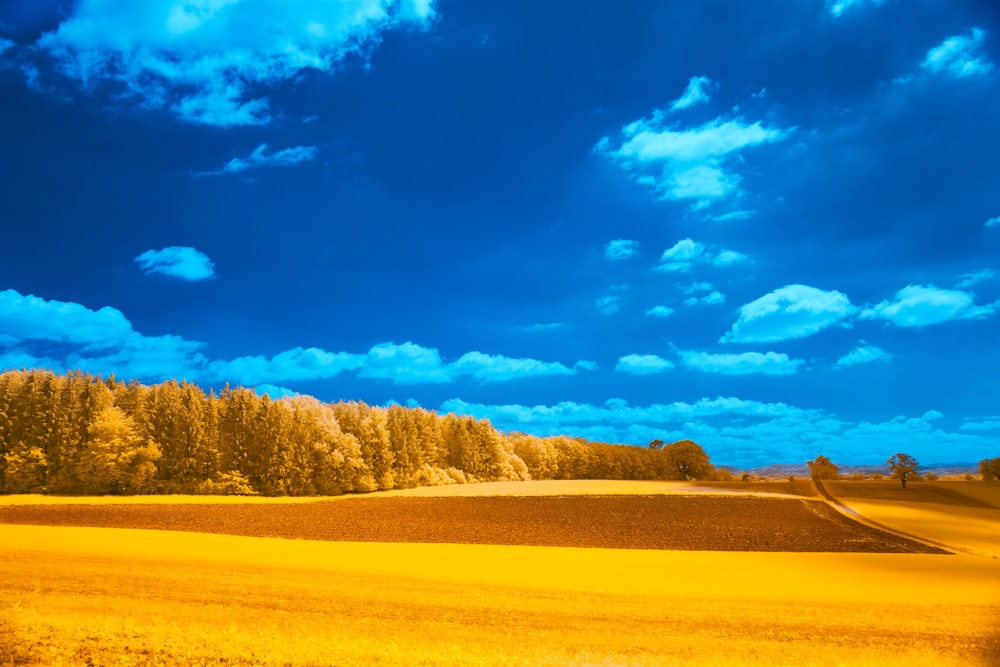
(703, 522)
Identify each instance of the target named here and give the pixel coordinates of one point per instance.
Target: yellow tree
(116, 459)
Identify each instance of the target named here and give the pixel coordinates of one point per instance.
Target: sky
(772, 227)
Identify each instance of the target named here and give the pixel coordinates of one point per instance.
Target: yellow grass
(131, 597)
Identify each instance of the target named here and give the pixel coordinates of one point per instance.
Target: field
(124, 596)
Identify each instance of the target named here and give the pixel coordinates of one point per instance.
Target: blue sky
(771, 227)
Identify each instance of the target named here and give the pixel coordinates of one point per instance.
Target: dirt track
(703, 522)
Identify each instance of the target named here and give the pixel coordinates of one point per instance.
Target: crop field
(109, 593)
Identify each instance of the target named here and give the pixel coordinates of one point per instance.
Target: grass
(108, 596)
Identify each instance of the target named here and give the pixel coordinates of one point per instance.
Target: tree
(822, 468)
(116, 459)
(687, 460)
(903, 467)
(990, 469)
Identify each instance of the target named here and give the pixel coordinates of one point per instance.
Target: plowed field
(676, 522)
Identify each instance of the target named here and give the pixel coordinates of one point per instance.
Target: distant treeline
(82, 434)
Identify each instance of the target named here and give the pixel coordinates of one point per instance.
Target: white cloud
(608, 304)
(993, 222)
(494, 368)
(864, 354)
(989, 424)
(660, 311)
(793, 311)
(838, 7)
(923, 305)
(747, 363)
(698, 91)
(969, 279)
(178, 262)
(691, 163)
(959, 56)
(103, 341)
(686, 254)
(32, 318)
(215, 61)
(5, 44)
(682, 256)
(733, 215)
(286, 157)
(643, 364)
(620, 249)
(710, 299)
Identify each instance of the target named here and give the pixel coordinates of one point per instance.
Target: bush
(231, 483)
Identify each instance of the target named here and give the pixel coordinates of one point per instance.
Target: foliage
(990, 469)
(822, 468)
(903, 467)
(78, 433)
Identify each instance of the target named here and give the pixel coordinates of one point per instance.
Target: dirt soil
(679, 522)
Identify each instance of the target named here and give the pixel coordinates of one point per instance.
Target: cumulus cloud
(793, 311)
(695, 163)
(494, 368)
(959, 56)
(698, 91)
(643, 364)
(747, 363)
(620, 249)
(660, 311)
(214, 61)
(864, 354)
(988, 424)
(838, 7)
(924, 305)
(29, 317)
(993, 222)
(177, 262)
(5, 44)
(103, 341)
(686, 254)
(286, 157)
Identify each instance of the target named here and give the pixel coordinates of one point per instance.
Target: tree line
(901, 466)
(78, 433)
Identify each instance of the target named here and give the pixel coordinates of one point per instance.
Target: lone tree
(903, 467)
(822, 468)
(990, 469)
(687, 460)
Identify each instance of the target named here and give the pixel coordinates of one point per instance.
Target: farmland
(119, 595)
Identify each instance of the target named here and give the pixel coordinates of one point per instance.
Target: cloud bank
(103, 341)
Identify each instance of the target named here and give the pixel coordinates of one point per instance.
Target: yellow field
(77, 596)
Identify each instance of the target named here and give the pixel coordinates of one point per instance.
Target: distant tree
(903, 467)
(990, 469)
(822, 468)
(687, 460)
(656, 444)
